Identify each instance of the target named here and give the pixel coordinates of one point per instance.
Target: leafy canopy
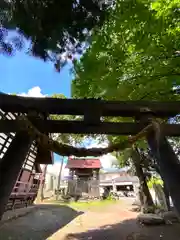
(135, 55)
(52, 26)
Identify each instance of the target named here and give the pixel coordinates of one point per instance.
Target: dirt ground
(56, 222)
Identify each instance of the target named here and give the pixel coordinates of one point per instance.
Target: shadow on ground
(129, 230)
(39, 224)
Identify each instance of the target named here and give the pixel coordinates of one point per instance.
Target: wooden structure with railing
(31, 126)
(26, 186)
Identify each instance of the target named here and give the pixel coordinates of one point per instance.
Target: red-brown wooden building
(84, 168)
(84, 176)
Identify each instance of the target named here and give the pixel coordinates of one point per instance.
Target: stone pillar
(10, 166)
(97, 185)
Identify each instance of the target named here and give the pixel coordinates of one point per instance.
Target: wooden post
(10, 166)
(168, 163)
(97, 174)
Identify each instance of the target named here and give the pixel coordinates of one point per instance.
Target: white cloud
(33, 92)
(108, 160)
(55, 168)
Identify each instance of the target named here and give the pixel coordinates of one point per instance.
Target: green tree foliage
(123, 158)
(154, 180)
(135, 55)
(53, 26)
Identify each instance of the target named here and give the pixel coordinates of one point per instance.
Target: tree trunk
(168, 164)
(59, 179)
(145, 196)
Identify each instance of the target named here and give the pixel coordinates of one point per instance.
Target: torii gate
(32, 125)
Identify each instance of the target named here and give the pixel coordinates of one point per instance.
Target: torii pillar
(169, 166)
(166, 159)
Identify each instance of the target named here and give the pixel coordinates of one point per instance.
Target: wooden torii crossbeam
(81, 127)
(48, 105)
(92, 110)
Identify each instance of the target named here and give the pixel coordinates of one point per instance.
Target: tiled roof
(121, 179)
(126, 178)
(115, 170)
(83, 163)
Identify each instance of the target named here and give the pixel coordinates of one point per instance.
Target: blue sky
(21, 73)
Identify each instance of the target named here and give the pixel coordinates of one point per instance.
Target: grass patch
(90, 205)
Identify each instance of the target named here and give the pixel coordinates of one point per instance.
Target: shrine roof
(93, 163)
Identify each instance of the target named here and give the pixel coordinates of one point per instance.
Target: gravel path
(114, 223)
